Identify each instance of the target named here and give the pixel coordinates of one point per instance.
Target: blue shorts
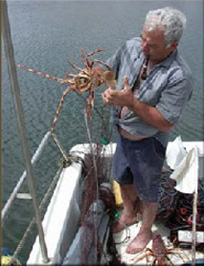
(139, 162)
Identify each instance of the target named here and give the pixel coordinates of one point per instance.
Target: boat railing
(21, 180)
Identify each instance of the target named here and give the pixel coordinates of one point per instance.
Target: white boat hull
(60, 222)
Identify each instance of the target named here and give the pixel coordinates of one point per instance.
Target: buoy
(8, 260)
(117, 194)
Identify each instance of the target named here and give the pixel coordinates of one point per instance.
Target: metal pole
(194, 235)
(193, 248)
(21, 125)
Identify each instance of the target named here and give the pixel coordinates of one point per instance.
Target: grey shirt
(168, 87)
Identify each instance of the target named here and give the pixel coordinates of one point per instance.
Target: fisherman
(154, 85)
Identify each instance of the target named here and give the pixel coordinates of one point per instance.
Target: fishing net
(95, 245)
(168, 197)
(181, 217)
(96, 188)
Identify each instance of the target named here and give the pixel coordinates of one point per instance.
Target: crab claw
(109, 77)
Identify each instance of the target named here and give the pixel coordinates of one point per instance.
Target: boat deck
(124, 237)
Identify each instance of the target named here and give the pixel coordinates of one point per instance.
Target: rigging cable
(21, 124)
(96, 180)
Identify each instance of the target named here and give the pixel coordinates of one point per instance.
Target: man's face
(153, 43)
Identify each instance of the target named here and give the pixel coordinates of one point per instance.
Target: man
(154, 84)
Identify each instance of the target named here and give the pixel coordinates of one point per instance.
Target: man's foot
(122, 222)
(140, 241)
(127, 218)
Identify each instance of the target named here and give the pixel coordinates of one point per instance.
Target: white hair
(171, 19)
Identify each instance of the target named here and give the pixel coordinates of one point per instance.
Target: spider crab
(86, 80)
(159, 252)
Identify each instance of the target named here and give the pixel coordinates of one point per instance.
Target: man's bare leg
(128, 216)
(145, 233)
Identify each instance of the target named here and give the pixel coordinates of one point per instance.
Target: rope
(59, 145)
(44, 200)
(96, 180)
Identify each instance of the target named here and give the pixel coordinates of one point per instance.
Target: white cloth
(185, 166)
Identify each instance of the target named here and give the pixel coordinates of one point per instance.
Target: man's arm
(148, 113)
(151, 116)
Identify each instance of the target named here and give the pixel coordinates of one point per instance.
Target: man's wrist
(133, 106)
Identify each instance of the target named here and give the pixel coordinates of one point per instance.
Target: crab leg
(85, 58)
(94, 52)
(90, 102)
(43, 74)
(59, 108)
(78, 68)
(102, 63)
(169, 260)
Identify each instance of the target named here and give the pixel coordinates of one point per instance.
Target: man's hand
(124, 97)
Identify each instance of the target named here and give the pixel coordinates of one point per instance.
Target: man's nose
(145, 47)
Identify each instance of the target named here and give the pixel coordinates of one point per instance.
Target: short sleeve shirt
(167, 87)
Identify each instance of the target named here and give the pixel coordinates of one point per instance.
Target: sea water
(48, 34)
